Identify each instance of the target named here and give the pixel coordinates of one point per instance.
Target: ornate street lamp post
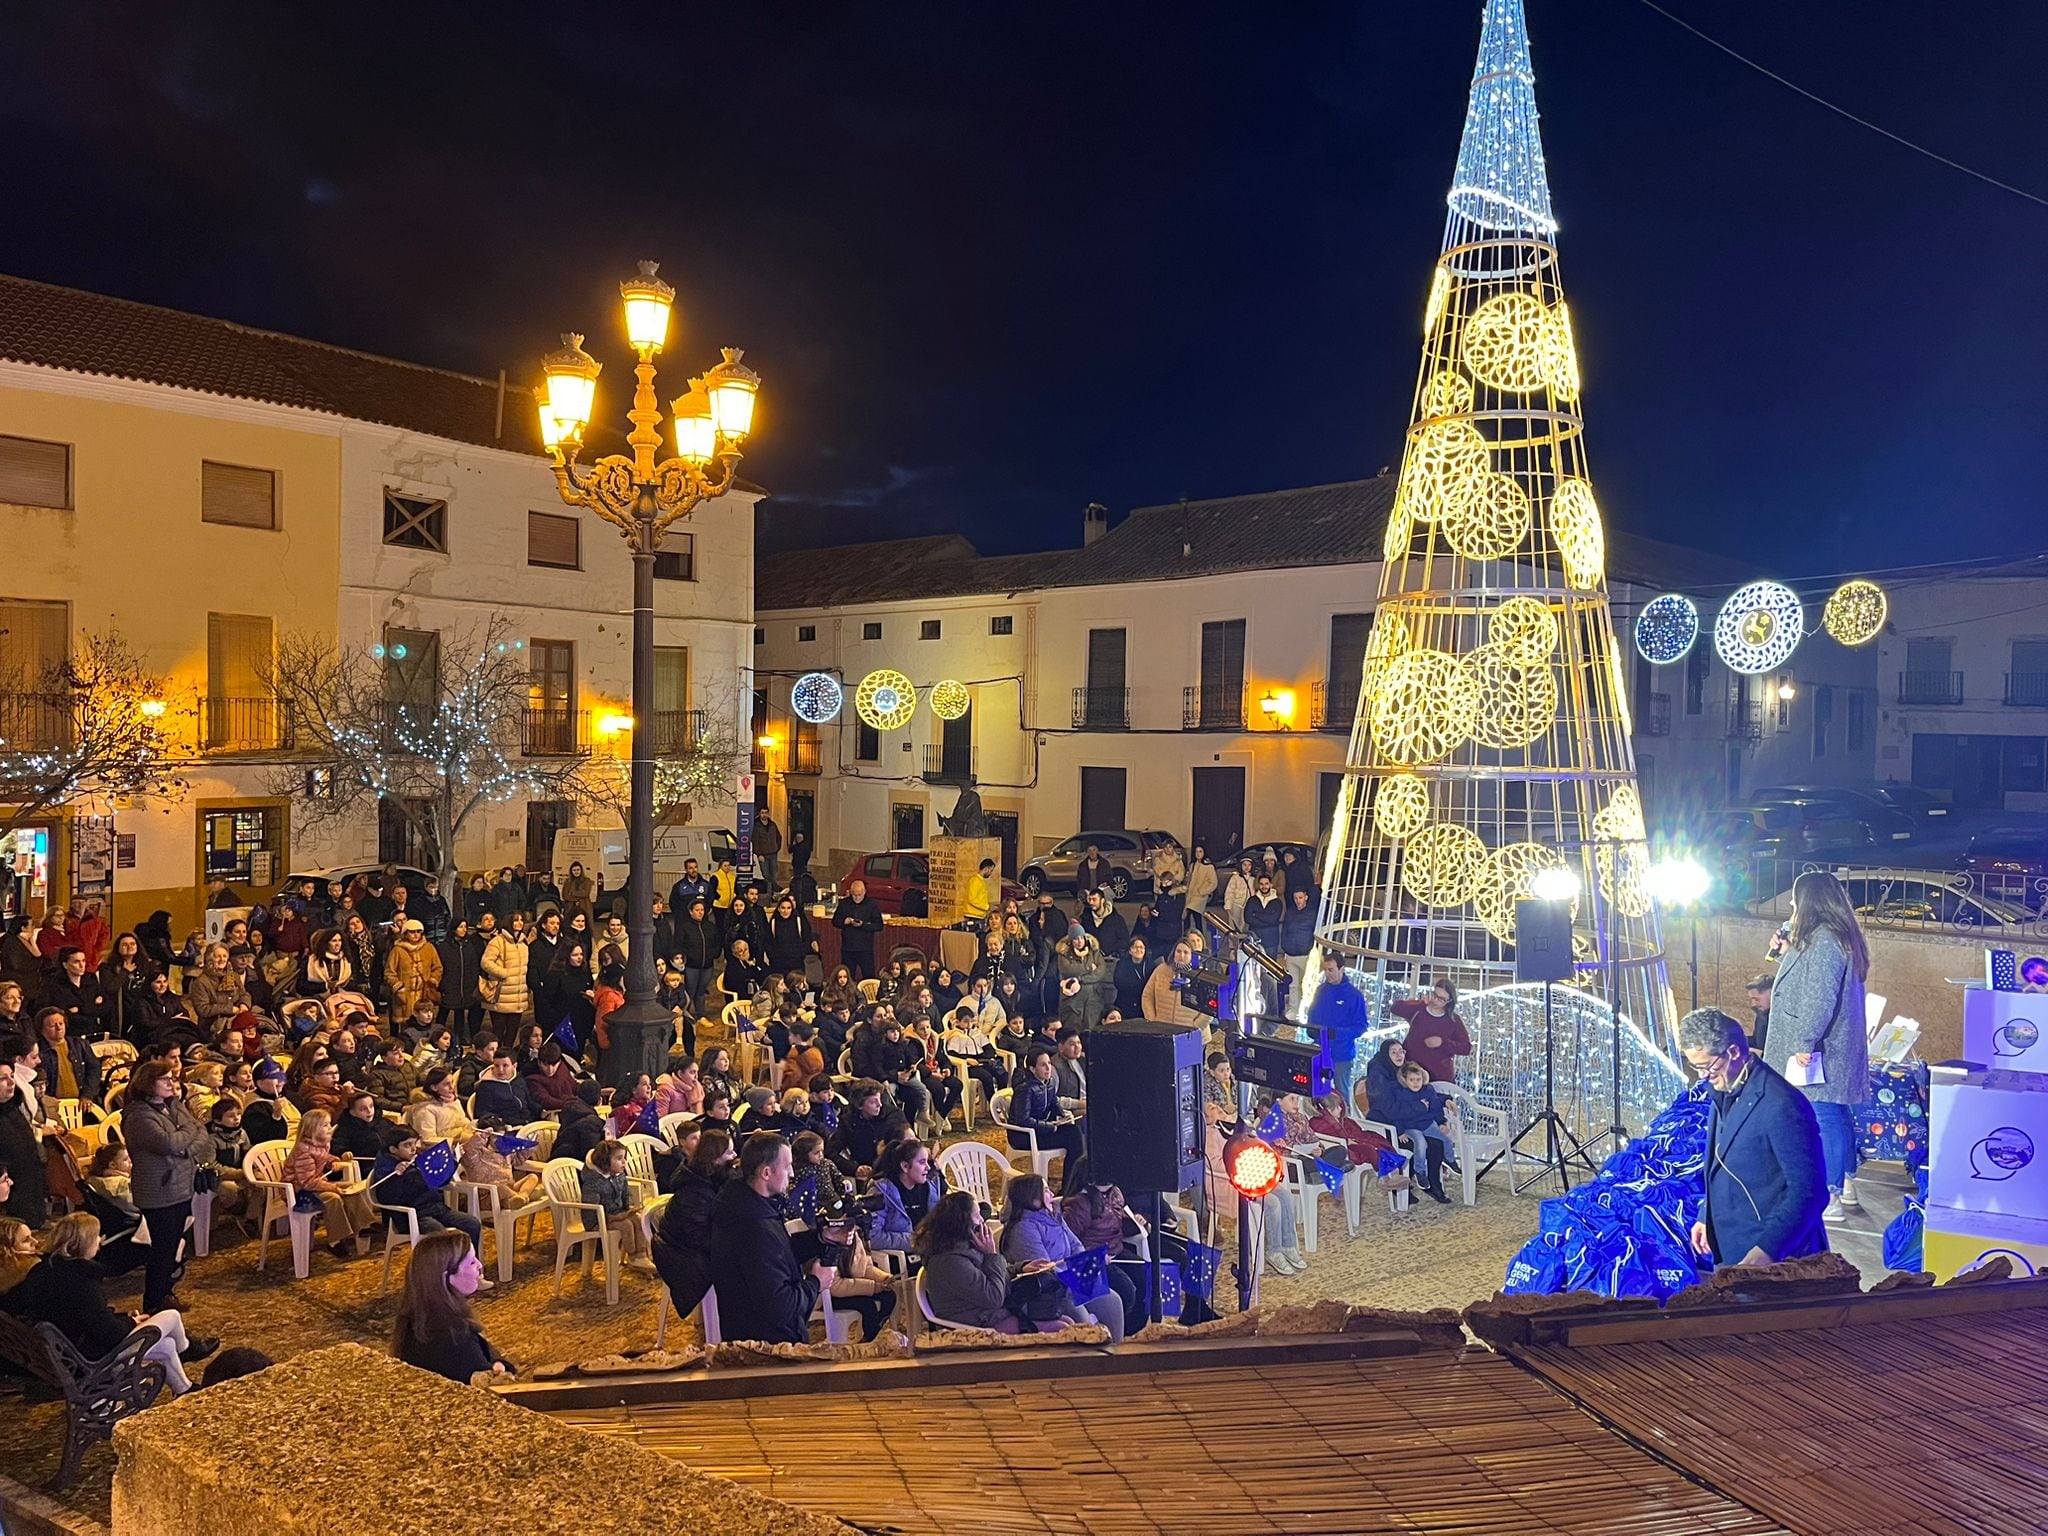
(641, 498)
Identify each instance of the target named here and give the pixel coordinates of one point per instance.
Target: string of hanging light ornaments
(885, 699)
(1760, 624)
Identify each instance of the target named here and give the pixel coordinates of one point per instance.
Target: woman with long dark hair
(168, 1146)
(436, 1330)
(1817, 1017)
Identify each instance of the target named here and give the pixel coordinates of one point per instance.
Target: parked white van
(604, 848)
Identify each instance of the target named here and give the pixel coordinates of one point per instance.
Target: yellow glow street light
(765, 743)
(1681, 884)
(641, 496)
(153, 709)
(1278, 706)
(1788, 690)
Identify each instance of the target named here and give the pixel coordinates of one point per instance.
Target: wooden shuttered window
(34, 473)
(554, 540)
(237, 496)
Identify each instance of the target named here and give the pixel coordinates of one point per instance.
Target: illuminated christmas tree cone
(1492, 738)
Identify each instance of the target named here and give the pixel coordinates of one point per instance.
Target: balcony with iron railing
(1653, 715)
(2026, 690)
(806, 757)
(1746, 720)
(249, 724)
(1930, 687)
(1212, 709)
(1332, 708)
(677, 731)
(552, 730)
(33, 722)
(1102, 709)
(947, 763)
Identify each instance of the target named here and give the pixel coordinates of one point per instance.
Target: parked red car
(2011, 864)
(903, 875)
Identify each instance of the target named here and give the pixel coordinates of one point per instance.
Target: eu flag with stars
(803, 1197)
(1172, 1298)
(650, 1118)
(1085, 1275)
(1333, 1175)
(511, 1143)
(437, 1164)
(1391, 1163)
(1274, 1126)
(1204, 1263)
(565, 1036)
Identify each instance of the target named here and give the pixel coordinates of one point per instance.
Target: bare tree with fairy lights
(436, 737)
(91, 726)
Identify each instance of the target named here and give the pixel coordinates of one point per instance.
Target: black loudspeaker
(1145, 1106)
(1543, 940)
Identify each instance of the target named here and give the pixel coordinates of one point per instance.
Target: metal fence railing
(1993, 904)
(1102, 709)
(1930, 687)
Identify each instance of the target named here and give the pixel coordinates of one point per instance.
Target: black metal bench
(97, 1393)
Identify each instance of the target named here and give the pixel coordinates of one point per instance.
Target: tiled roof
(1319, 525)
(118, 338)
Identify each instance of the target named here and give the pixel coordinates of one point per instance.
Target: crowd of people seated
(359, 1027)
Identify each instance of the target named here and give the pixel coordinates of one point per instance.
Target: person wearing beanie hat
(270, 1116)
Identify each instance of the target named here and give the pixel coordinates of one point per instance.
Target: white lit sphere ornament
(1446, 395)
(1855, 615)
(1440, 863)
(950, 699)
(1423, 707)
(1439, 295)
(1575, 526)
(1400, 806)
(1508, 341)
(1446, 464)
(1492, 523)
(1560, 354)
(816, 698)
(1523, 630)
(1666, 629)
(1759, 627)
(1506, 876)
(886, 700)
(1514, 704)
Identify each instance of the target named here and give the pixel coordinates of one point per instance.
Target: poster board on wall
(953, 862)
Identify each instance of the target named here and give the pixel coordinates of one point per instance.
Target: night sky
(996, 262)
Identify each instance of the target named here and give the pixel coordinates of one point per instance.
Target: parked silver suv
(1127, 853)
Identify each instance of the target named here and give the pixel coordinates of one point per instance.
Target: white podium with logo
(1987, 1172)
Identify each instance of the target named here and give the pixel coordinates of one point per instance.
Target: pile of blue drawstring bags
(1628, 1231)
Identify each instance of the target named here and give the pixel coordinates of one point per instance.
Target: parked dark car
(1920, 804)
(2009, 864)
(1759, 851)
(1887, 823)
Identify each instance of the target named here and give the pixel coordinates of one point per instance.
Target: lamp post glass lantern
(642, 497)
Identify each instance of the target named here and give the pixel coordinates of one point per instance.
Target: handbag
(1037, 1298)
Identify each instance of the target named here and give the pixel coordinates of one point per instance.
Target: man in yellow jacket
(980, 900)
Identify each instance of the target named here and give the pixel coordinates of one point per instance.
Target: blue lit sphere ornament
(1759, 627)
(816, 698)
(1666, 629)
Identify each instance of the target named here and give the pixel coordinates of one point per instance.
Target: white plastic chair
(868, 989)
(640, 1150)
(976, 1167)
(668, 1123)
(924, 1309)
(1483, 1135)
(561, 1180)
(542, 1131)
(970, 1086)
(392, 1237)
(263, 1170)
(499, 1219)
(734, 1013)
(1037, 1159)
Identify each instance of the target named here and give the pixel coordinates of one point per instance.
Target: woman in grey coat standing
(167, 1146)
(1817, 1013)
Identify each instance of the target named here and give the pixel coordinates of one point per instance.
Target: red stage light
(1253, 1167)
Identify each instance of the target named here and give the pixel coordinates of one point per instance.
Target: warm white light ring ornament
(1507, 341)
(1493, 523)
(816, 698)
(1439, 296)
(1446, 463)
(1621, 856)
(1514, 704)
(1523, 630)
(1575, 526)
(1446, 394)
(1856, 613)
(1440, 863)
(1400, 532)
(1759, 627)
(1506, 877)
(1423, 707)
(1400, 806)
(1560, 353)
(1666, 629)
(886, 699)
(1387, 640)
(950, 699)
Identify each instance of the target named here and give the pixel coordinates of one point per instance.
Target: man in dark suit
(1766, 1182)
(763, 1293)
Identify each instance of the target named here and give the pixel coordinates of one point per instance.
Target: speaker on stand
(1543, 952)
(1145, 1126)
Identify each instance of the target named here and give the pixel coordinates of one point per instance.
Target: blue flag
(437, 1164)
(1204, 1264)
(1333, 1175)
(1390, 1163)
(565, 1036)
(1085, 1275)
(1274, 1126)
(803, 1197)
(511, 1144)
(650, 1118)
(1171, 1296)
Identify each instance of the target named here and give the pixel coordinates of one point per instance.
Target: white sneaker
(1300, 1264)
(1847, 1198)
(1835, 1211)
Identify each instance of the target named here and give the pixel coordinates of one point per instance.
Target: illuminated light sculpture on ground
(1856, 613)
(886, 699)
(950, 699)
(816, 698)
(1666, 629)
(1759, 627)
(1492, 737)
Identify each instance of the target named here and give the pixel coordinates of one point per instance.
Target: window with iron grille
(928, 629)
(807, 631)
(872, 631)
(676, 560)
(35, 473)
(237, 496)
(413, 522)
(554, 541)
(1000, 624)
